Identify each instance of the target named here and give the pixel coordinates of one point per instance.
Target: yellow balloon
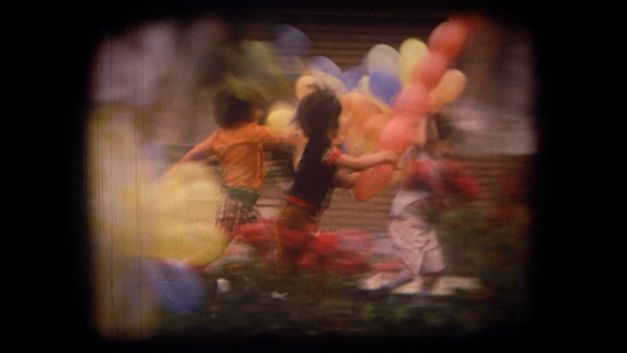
(281, 105)
(180, 218)
(279, 120)
(412, 50)
(448, 89)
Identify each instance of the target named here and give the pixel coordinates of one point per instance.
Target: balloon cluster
(424, 83)
(386, 99)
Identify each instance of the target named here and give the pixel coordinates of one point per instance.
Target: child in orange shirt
(238, 144)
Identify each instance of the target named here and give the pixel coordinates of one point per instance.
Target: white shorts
(418, 244)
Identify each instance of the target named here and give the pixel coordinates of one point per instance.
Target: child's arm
(200, 152)
(290, 142)
(368, 160)
(345, 178)
(284, 143)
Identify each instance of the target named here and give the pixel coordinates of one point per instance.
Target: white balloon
(382, 57)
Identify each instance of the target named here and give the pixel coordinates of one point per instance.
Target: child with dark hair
(238, 144)
(317, 173)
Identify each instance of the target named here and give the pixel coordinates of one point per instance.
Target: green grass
(323, 304)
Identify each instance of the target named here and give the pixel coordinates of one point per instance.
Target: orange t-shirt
(240, 151)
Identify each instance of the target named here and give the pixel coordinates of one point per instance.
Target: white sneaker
(386, 280)
(376, 281)
(413, 287)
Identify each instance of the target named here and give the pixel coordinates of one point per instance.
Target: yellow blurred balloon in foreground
(181, 214)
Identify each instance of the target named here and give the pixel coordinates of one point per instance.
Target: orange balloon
(430, 69)
(372, 128)
(358, 145)
(372, 181)
(448, 38)
(359, 107)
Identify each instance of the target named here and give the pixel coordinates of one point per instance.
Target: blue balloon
(290, 41)
(178, 288)
(325, 64)
(352, 76)
(384, 86)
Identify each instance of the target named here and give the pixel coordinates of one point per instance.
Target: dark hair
(231, 110)
(318, 112)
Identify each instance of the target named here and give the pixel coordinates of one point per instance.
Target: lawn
(325, 304)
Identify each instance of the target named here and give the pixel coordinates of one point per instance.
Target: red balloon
(448, 38)
(469, 20)
(430, 69)
(413, 101)
(372, 181)
(324, 243)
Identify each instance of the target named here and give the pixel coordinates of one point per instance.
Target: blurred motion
(160, 254)
(177, 217)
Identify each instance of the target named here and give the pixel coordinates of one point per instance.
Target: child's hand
(390, 157)
(295, 138)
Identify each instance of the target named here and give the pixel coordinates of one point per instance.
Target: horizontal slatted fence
(492, 174)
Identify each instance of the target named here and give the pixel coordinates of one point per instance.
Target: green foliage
(498, 256)
(323, 303)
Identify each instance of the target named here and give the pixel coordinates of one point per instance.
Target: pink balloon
(413, 101)
(396, 135)
(448, 38)
(430, 69)
(372, 181)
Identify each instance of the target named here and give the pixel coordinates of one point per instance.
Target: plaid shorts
(238, 208)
